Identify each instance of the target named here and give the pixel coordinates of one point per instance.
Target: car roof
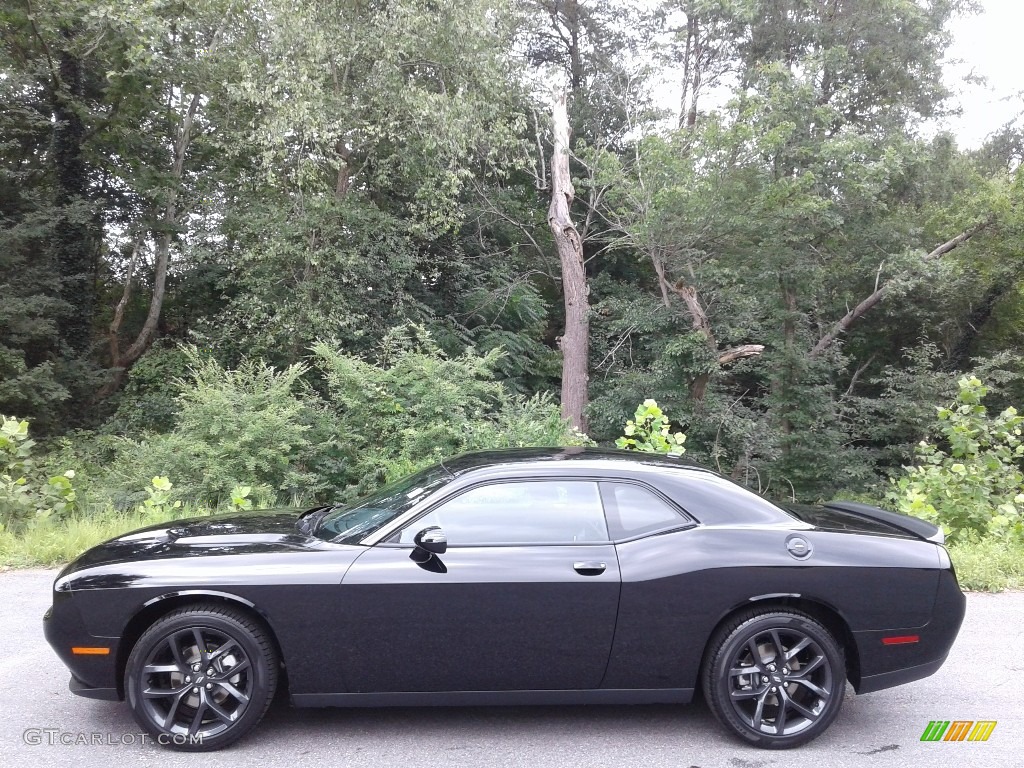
(582, 458)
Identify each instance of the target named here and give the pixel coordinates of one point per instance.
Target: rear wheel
(201, 677)
(775, 678)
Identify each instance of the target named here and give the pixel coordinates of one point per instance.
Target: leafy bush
(973, 482)
(649, 431)
(416, 405)
(246, 425)
(24, 496)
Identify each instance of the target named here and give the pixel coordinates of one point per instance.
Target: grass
(48, 544)
(982, 566)
(989, 565)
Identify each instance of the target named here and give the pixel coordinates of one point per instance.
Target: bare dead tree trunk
(882, 289)
(575, 341)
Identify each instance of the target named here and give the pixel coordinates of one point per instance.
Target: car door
(524, 598)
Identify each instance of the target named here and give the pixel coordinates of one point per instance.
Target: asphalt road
(982, 680)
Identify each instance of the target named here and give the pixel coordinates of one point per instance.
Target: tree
(575, 340)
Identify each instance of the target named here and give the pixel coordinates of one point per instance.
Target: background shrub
(971, 481)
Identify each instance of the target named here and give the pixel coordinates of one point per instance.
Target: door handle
(589, 568)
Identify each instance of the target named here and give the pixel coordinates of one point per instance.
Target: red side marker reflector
(900, 639)
(80, 651)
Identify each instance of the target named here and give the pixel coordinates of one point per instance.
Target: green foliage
(159, 502)
(649, 430)
(53, 542)
(241, 426)
(417, 405)
(148, 402)
(240, 497)
(989, 564)
(973, 482)
(26, 497)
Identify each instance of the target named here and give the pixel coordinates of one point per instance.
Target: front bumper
(94, 675)
(79, 688)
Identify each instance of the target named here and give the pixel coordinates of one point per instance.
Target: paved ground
(981, 681)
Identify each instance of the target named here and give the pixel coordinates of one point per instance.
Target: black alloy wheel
(201, 677)
(775, 678)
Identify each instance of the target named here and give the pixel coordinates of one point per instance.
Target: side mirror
(432, 539)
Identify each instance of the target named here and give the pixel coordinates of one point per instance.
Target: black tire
(799, 697)
(217, 670)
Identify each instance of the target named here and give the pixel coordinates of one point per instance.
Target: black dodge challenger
(534, 576)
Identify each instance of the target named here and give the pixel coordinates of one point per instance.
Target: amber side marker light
(900, 639)
(79, 651)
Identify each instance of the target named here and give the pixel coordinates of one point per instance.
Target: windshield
(351, 523)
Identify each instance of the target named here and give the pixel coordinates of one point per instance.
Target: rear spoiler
(915, 525)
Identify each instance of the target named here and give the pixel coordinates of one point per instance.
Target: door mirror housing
(432, 539)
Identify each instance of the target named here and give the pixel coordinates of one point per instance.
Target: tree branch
(880, 291)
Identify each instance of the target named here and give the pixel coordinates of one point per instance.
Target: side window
(527, 512)
(635, 511)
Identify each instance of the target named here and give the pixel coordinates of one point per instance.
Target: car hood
(230, 533)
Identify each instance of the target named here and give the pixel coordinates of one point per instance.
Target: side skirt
(495, 698)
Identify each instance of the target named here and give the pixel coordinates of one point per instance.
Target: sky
(990, 45)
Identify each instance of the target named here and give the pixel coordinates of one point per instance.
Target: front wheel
(774, 678)
(201, 677)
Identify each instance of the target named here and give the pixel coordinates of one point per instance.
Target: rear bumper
(884, 666)
(878, 682)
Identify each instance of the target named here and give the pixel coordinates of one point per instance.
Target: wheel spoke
(816, 689)
(805, 711)
(172, 642)
(780, 717)
(172, 711)
(164, 693)
(197, 721)
(807, 668)
(232, 671)
(804, 642)
(755, 654)
(751, 694)
(156, 669)
(234, 692)
(197, 635)
(780, 651)
(758, 717)
(220, 712)
(222, 650)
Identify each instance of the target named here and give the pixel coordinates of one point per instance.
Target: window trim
(386, 541)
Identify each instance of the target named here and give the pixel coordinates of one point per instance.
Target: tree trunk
(575, 341)
(701, 324)
(121, 362)
(72, 242)
(693, 25)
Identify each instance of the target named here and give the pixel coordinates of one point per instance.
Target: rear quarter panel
(678, 587)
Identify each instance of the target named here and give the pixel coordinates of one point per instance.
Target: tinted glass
(713, 499)
(635, 511)
(352, 523)
(535, 512)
